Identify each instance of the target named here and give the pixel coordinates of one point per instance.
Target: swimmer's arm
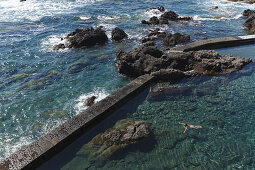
(181, 123)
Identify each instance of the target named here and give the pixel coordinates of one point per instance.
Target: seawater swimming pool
(223, 105)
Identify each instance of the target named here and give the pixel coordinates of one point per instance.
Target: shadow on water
(67, 154)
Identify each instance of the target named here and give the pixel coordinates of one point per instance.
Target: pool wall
(216, 43)
(38, 152)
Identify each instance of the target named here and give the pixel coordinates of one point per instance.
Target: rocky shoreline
(149, 59)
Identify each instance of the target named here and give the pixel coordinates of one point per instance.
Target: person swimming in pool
(190, 126)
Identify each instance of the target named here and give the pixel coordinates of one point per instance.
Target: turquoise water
(223, 105)
(41, 88)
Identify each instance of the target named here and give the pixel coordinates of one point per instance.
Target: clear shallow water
(40, 88)
(223, 105)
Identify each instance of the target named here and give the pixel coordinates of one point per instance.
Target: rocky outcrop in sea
(85, 37)
(165, 18)
(118, 34)
(173, 67)
(245, 1)
(250, 21)
(168, 39)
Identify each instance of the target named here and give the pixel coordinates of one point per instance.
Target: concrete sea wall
(47, 146)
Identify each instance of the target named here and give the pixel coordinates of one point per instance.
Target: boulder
(141, 61)
(248, 12)
(165, 18)
(153, 35)
(152, 21)
(90, 101)
(170, 15)
(250, 22)
(175, 66)
(173, 39)
(118, 34)
(85, 37)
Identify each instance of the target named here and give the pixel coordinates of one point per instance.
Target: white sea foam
(14, 10)
(49, 42)
(225, 10)
(152, 12)
(10, 145)
(108, 18)
(85, 18)
(99, 93)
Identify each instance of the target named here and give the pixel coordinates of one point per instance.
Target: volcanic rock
(165, 18)
(84, 37)
(90, 101)
(153, 35)
(248, 13)
(173, 39)
(125, 132)
(250, 22)
(175, 66)
(118, 34)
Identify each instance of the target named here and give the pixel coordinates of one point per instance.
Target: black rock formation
(175, 66)
(84, 37)
(118, 34)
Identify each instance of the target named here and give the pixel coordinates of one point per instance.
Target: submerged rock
(170, 93)
(78, 67)
(102, 147)
(118, 34)
(84, 37)
(175, 66)
(124, 133)
(41, 80)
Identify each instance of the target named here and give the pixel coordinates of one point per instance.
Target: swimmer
(190, 126)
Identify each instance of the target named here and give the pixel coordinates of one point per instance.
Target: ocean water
(41, 88)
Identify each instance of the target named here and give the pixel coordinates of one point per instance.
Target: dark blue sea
(41, 88)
